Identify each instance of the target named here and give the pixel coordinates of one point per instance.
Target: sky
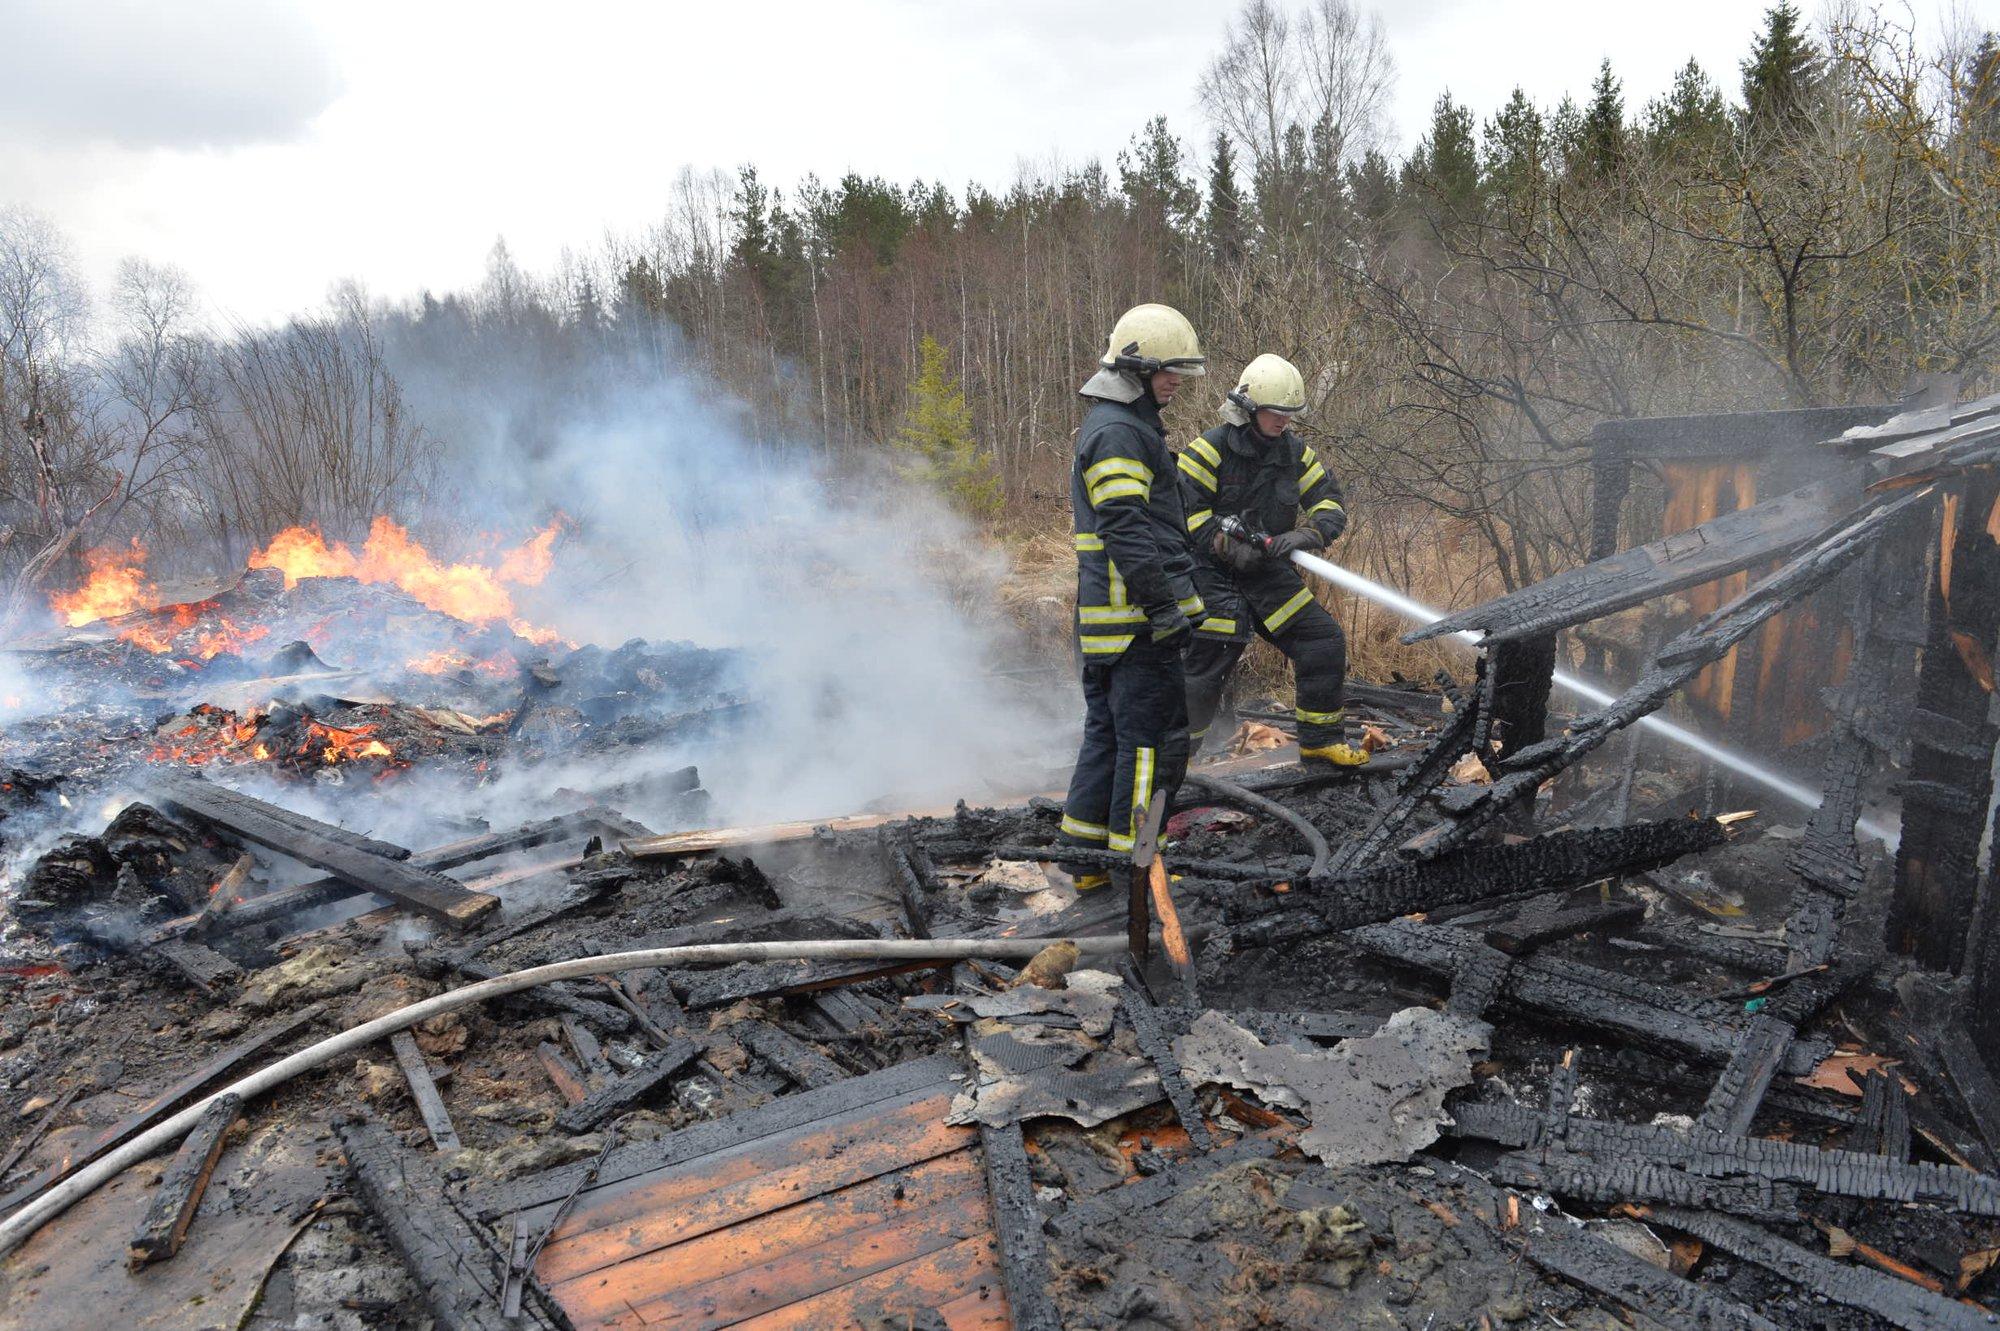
(272, 148)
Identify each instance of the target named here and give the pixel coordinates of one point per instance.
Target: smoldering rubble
(1480, 1033)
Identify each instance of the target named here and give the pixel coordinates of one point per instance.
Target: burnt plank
(352, 859)
(1885, 1116)
(558, 996)
(1897, 1302)
(801, 1064)
(589, 1053)
(563, 1074)
(165, 1225)
(1732, 1104)
(161, 1105)
(199, 965)
(1719, 1155)
(1476, 980)
(1723, 545)
(777, 979)
(1586, 996)
(424, 1091)
(459, 1276)
(1105, 1208)
(1975, 1083)
(1017, 1221)
(856, 1098)
(1153, 1040)
(626, 1092)
(1525, 932)
(1615, 1181)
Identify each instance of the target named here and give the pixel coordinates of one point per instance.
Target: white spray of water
(1733, 759)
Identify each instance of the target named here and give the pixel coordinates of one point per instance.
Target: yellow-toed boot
(1089, 882)
(1340, 755)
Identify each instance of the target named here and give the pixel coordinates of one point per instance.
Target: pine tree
(935, 438)
(1691, 122)
(1782, 74)
(1447, 161)
(1601, 142)
(1517, 149)
(1224, 214)
(1149, 175)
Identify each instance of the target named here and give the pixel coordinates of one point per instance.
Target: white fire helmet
(1148, 338)
(1270, 383)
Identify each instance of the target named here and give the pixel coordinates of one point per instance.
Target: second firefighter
(1253, 468)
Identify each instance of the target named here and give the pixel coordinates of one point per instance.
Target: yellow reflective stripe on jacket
(1115, 583)
(1099, 644)
(1283, 614)
(1324, 506)
(1089, 540)
(1119, 487)
(1205, 451)
(1192, 606)
(1202, 475)
(1225, 628)
(1110, 614)
(1314, 475)
(1117, 467)
(1078, 828)
(1196, 519)
(1332, 718)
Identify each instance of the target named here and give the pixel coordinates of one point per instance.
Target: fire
(117, 585)
(445, 661)
(473, 592)
(344, 746)
(217, 632)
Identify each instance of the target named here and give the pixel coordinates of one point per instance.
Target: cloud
(161, 73)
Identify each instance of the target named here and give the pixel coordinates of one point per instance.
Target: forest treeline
(1814, 227)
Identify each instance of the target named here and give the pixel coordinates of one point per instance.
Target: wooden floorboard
(877, 1208)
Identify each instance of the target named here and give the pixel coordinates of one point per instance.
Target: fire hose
(17, 1228)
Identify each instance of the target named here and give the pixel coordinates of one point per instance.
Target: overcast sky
(272, 147)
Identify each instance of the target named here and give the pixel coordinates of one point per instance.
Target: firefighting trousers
(1135, 744)
(1275, 604)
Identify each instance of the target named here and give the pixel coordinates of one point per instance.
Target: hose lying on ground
(17, 1228)
(1235, 794)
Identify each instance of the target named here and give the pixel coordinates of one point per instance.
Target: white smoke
(867, 610)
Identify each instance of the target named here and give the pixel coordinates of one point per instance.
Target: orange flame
(473, 592)
(347, 745)
(117, 585)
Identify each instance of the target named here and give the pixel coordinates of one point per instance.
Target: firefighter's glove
(1171, 629)
(1334, 523)
(1236, 556)
(1290, 543)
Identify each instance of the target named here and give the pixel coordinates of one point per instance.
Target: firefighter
(1135, 600)
(1253, 467)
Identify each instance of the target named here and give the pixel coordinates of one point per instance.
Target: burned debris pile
(1524, 1023)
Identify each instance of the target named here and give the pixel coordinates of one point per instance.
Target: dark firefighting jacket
(1266, 483)
(1133, 564)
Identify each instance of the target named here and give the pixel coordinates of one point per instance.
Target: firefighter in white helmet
(1135, 600)
(1253, 468)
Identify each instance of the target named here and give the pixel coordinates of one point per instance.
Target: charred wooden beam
(1718, 1155)
(628, 1091)
(161, 1105)
(355, 860)
(424, 1091)
(199, 965)
(1017, 1222)
(1732, 1104)
(165, 1225)
(1897, 1302)
(1632, 1009)
(800, 1063)
(564, 1075)
(1159, 1050)
(560, 997)
(1592, 1263)
(1609, 1182)
(1721, 546)
(456, 1272)
(1414, 786)
(1525, 932)
(1477, 979)
(1885, 1116)
(1676, 664)
(1553, 861)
